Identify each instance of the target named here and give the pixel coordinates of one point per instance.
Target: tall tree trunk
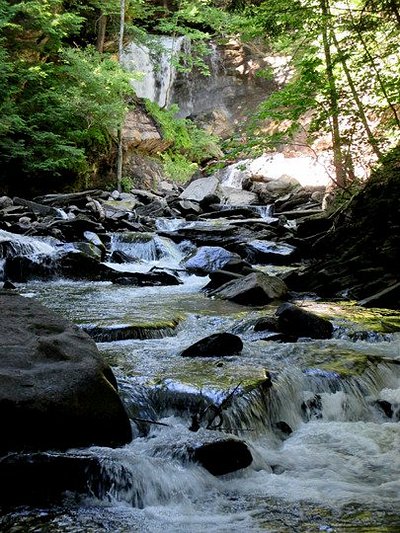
(357, 99)
(338, 160)
(101, 32)
(375, 67)
(120, 157)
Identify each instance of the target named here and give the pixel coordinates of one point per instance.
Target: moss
(350, 315)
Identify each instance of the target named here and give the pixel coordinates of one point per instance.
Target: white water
(306, 170)
(21, 245)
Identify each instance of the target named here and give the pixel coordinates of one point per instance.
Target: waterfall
(12, 244)
(156, 66)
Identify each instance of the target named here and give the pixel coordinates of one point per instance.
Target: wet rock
(298, 322)
(312, 408)
(121, 257)
(235, 196)
(223, 456)
(208, 259)
(267, 252)
(20, 269)
(217, 345)
(56, 391)
(124, 332)
(254, 289)
(229, 212)
(219, 278)
(5, 201)
(386, 407)
(37, 208)
(74, 229)
(221, 236)
(283, 428)
(202, 190)
(157, 208)
(144, 279)
(267, 323)
(8, 285)
(89, 250)
(389, 298)
(39, 478)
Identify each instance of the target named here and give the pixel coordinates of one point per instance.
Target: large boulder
(217, 345)
(261, 251)
(56, 391)
(255, 289)
(298, 322)
(203, 190)
(223, 456)
(208, 259)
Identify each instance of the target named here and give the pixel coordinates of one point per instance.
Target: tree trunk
(375, 67)
(101, 33)
(357, 100)
(338, 160)
(120, 156)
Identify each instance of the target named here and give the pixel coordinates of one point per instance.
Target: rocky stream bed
(221, 394)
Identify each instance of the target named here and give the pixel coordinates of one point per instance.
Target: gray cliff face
(219, 101)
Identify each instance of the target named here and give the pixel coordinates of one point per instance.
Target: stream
(334, 466)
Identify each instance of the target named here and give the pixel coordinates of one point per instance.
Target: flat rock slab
(56, 392)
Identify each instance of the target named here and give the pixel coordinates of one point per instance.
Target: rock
(233, 196)
(220, 277)
(233, 212)
(267, 323)
(123, 332)
(298, 322)
(37, 208)
(255, 289)
(389, 298)
(202, 190)
(144, 279)
(56, 392)
(5, 201)
(266, 252)
(217, 345)
(38, 478)
(140, 133)
(8, 285)
(208, 259)
(223, 456)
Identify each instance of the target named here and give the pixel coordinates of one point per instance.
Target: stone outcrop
(217, 345)
(254, 289)
(56, 391)
(223, 456)
(297, 322)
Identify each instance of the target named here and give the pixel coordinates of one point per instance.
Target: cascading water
(156, 67)
(325, 453)
(12, 245)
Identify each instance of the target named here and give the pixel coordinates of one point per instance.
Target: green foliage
(177, 167)
(187, 139)
(127, 184)
(190, 144)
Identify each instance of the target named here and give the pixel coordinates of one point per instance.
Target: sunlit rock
(294, 321)
(255, 289)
